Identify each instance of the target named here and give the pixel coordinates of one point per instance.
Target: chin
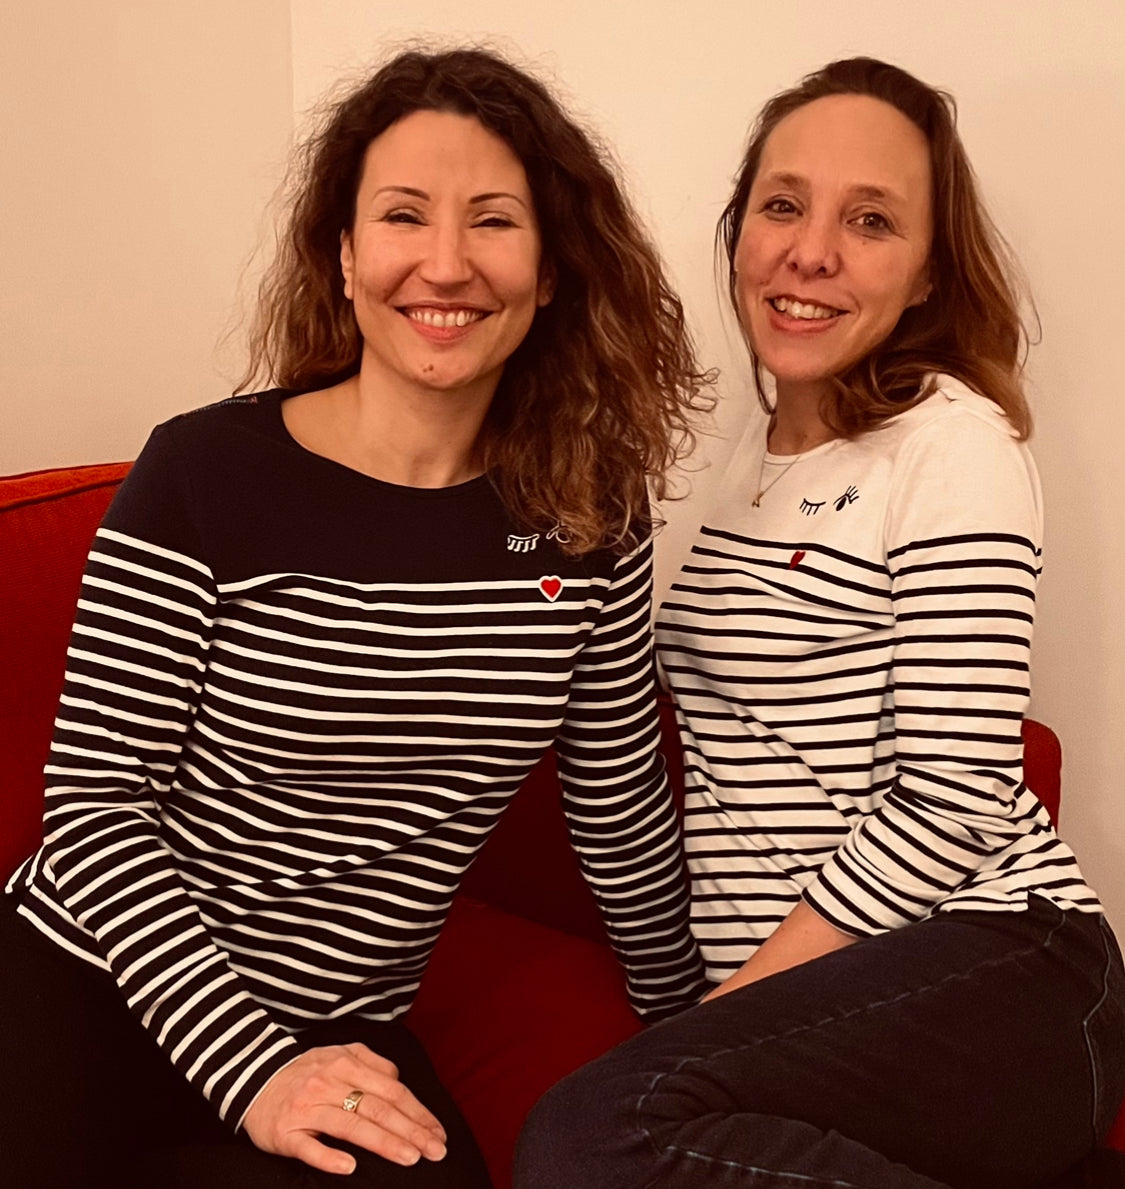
(442, 383)
(783, 374)
(439, 380)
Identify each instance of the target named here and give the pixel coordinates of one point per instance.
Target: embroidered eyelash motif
(811, 509)
(849, 497)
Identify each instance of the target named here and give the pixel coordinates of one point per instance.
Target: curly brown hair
(970, 326)
(598, 401)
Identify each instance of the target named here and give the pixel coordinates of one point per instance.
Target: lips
(442, 317)
(803, 311)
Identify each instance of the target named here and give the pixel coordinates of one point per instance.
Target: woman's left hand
(306, 1100)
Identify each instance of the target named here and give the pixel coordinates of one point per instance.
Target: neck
(421, 438)
(797, 424)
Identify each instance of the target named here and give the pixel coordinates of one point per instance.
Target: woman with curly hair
(325, 631)
(914, 986)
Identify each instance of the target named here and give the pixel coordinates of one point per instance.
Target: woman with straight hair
(325, 631)
(913, 985)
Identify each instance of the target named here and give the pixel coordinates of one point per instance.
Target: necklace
(762, 474)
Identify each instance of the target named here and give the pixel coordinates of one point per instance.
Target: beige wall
(141, 142)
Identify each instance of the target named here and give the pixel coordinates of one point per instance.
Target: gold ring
(351, 1101)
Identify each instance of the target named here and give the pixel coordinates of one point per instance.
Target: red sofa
(522, 987)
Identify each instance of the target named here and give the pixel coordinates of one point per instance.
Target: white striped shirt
(850, 665)
(297, 700)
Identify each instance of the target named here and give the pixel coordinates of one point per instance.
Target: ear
(347, 264)
(922, 292)
(548, 279)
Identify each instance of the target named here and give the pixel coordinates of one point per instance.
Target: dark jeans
(977, 1050)
(88, 1101)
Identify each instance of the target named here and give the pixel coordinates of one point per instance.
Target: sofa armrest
(47, 521)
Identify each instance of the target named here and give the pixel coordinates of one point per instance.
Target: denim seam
(1095, 1078)
(804, 1178)
(796, 1030)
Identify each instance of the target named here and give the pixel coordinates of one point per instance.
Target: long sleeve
(135, 669)
(849, 660)
(962, 544)
(618, 804)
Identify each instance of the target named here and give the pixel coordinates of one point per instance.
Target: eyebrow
(861, 190)
(867, 191)
(494, 194)
(476, 199)
(410, 190)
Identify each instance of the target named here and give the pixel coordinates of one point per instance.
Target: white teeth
(445, 319)
(799, 309)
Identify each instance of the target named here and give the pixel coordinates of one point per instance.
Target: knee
(582, 1135)
(607, 1126)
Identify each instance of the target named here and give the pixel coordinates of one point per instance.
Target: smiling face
(835, 239)
(443, 263)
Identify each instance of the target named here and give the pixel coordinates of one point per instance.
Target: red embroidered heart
(551, 586)
(796, 559)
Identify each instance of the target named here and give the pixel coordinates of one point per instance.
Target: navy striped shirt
(297, 701)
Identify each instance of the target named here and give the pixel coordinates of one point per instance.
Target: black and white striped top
(850, 663)
(297, 700)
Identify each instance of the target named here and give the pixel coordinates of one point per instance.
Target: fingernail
(435, 1151)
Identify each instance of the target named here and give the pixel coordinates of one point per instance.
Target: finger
(386, 1111)
(362, 1133)
(367, 1071)
(369, 1059)
(403, 1099)
(381, 1129)
(306, 1148)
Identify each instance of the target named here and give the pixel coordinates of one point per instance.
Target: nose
(815, 247)
(446, 259)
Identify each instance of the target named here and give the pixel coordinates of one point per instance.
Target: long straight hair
(970, 326)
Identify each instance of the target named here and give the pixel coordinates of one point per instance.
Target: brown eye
(779, 206)
(873, 221)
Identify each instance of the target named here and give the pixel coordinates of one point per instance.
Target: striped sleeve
(134, 675)
(962, 538)
(618, 803)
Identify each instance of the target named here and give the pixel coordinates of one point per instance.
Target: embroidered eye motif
(518, 544)
(811, 509)
(849, 497)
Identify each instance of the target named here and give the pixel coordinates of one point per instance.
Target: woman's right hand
(306, 1100)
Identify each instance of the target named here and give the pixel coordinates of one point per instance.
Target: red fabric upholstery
(47, 520)
(1116, 1137)
(507, 1008)
(521, 989)
(1042, 765)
